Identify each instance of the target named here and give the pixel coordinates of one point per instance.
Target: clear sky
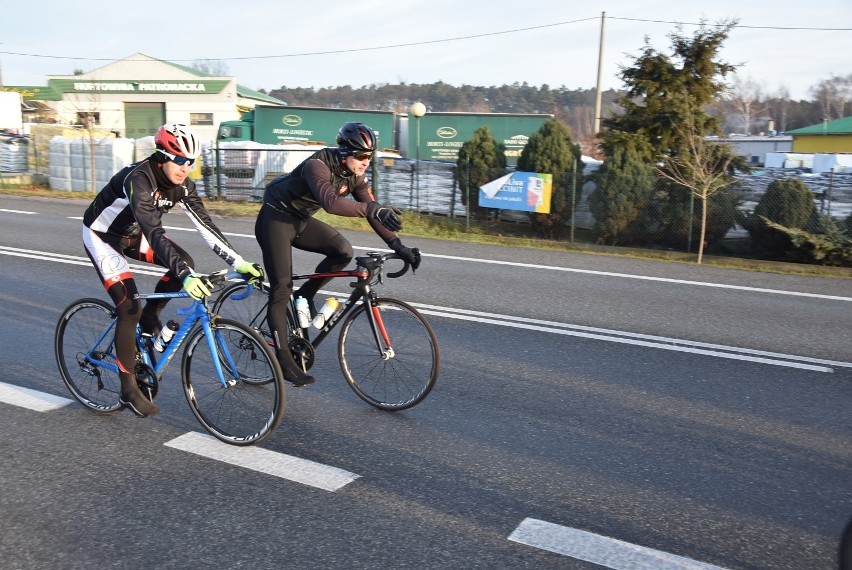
(294, 43)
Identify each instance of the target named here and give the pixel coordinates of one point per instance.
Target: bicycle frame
(195, 313)
(361, 291)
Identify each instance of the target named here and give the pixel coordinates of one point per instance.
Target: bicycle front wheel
(244, 410)
(394, 364)
(82, 337)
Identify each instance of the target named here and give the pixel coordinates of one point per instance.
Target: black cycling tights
(277, 233)
(125, 296)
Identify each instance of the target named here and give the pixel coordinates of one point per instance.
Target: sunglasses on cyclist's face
(179, 160)
(362, 155)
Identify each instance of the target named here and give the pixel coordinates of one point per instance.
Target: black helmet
(356, 137)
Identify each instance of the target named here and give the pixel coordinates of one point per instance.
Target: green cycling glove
(197, 286)
(251, 272)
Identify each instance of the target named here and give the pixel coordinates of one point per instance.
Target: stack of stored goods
(71, 166)
(110, 156)
(13, 154)
(39, 148)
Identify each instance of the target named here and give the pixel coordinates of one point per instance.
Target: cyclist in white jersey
(125, 220)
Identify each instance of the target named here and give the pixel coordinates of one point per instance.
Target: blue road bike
(230, 376)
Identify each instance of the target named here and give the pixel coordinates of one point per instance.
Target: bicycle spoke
(82, 325)
(248, 406)
(390, 380)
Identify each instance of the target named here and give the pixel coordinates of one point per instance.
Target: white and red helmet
(177, 140)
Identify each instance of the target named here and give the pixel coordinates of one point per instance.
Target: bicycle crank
(303, 352)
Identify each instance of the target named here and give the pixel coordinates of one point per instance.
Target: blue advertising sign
(525, 191)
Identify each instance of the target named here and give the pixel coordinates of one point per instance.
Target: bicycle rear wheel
(250, 311)
(80, 327)
(400, 374)
(250, 405)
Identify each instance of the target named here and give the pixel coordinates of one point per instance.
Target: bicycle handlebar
(217, 278)
(374, 261)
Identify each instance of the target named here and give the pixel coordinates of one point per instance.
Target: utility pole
(600, 71)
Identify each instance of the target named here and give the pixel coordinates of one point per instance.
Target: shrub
(787, 203)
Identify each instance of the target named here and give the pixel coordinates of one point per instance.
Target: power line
(428, 42)
(736, 26)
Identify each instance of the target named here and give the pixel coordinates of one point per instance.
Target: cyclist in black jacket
(324, 180)
(125, 218)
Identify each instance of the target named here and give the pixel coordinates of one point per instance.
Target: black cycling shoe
(133, 399)
(298, 378)
(139, 406)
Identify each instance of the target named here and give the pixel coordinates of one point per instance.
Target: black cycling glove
(388, 216)
(410, 255)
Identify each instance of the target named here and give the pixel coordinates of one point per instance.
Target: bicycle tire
(394, 382)
(250, 311)
(79, 327)
(241, 412)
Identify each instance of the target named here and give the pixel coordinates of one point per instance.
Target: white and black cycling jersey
(132, 205)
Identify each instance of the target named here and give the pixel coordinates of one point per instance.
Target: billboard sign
(524, 191)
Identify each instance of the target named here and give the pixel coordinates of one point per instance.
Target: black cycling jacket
(135, 200)
(320, 181)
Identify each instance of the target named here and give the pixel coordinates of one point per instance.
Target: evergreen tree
(624, 187)
(480, 161)
(665, 120)
(787, 203)
(550, 150)
(662, 90)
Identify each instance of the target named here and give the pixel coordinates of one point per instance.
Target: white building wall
(138, 67)
(178, 108)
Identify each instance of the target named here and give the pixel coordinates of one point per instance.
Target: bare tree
(782, 108)
(701, 166)
(745, 97)
(833, 94)
(215, 67)
(87, 116)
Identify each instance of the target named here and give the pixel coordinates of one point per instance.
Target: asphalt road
(592, 412)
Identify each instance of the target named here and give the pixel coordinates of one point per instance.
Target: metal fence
(668, 220)
(242, 174)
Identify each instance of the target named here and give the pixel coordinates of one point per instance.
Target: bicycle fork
(214, 337)
(380, 333)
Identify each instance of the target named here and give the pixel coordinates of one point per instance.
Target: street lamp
(418, 109)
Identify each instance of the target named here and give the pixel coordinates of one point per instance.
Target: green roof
(837, 127)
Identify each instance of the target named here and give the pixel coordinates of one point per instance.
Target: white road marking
(597, 549)
(608, 335)
(31, 399)
(733, 353)
(18, 211)
(270, 462)
(586, 271)
(643, 277)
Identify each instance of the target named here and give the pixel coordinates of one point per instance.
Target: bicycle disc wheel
(250, 311)
(243, 411)
(81, 326)
(397, 376)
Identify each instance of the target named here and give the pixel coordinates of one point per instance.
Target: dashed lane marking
(30, 399)
(18, 212)
(597, 549)
(270, 462)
